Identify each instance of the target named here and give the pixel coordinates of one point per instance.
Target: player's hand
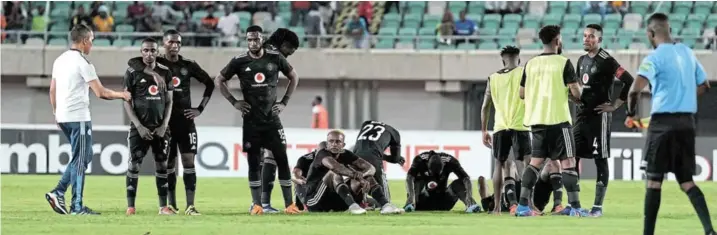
(357, 176)
(487, 140)
(192, 113)
(161, 84)
(473, 209)
(299, 181)
(409, 208)
(144, 132)
(278, 108)
(634, 122)
(126, 96)
(605, 108)
(400, 160)
(161, 130)
(242, 106)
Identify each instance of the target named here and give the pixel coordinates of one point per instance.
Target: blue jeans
(80, 136)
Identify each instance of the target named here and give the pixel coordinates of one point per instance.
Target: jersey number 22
(371, 132)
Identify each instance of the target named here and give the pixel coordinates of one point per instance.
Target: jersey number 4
(371, 132)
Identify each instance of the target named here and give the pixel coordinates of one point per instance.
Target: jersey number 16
(371, 132)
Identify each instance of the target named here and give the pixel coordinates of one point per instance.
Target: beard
(560, 50)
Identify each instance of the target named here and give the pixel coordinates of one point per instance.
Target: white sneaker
(356, 209)
(390, 209)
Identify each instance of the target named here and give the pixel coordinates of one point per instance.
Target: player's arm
(90, 76)
(411, 181)
(203, 77)
(645, 73)
(221, 80)
(394, 147)
(364, 167)
(290, 73)
(300, 164)
(624, 76)
(488, 104)
(569, 78)
(168, 99)
(329, 162)
(129, 87)
(463, 177)
(703, 86)
(53, 92)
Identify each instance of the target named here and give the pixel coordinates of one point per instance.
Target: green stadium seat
(576, 7)
(431, 20)
(532, 21)
(505, 42)
(491, 21)
(569, 34)
(696, 20)
(677, 19)
(300, 32)
(475, 17)
(714, 8)
(391, 17)
(508, 31)
(534, 46)
(664, 8)
(123, 43)
(101, 42)
(574, 46)
(676, 29)
(425, 31)
(456, 6)
(690, 36)
(624, 37)
(703, 7)
(388, 31)
(612, 21)
(124, 28)
(557, 7)
(622, 43)
(390, 24)
(475, 7)
(60, 26)
(418, 7)
(487, 45)
(572, 20)
(488, 31)
(552, 19)
(384, 44)
(446, 47)
(640, 7)
(682, 7)
(198, 15)
(407, 34)
(466, 46)
(426, 45)
(284, 6)
(592, 19)
(512, 19)
(711, 21)
(58, 42)
(60, 14)
(412, 20)
(609, 32)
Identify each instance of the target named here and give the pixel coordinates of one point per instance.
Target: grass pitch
(224, 203)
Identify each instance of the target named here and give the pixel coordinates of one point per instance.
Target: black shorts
(184, 136)
(323, 198)
(505, 140)
(670, 145)
(591, 131)
(272, 139)
(138, 147)
(552, 141)
(435, 201)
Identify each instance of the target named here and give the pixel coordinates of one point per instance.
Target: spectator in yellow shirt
(103, 22)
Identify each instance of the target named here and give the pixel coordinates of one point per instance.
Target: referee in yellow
(546, 82)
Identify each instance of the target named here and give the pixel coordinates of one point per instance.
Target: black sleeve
(303, 163)
(168, 78)
(347, 157)
(284, 65)
(458, 169)
(128, 86)
(577, 70)
(231, 69)
(203, 77)
(395, 137)
(137, 64)
(415, 166)
(615, 69)
(569, 73)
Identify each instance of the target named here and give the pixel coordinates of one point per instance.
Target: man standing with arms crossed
(73, 74)
(546, 82)
(676, 78)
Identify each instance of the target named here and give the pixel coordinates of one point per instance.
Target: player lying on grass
(540, 198)
(427, 184)
(326, 187)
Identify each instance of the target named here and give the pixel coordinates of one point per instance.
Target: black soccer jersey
(596, 75)
(317, 171)
(304, 163)
(148, 101)
(419, 169)
(258, 78)
(183, 70)
(374, 137)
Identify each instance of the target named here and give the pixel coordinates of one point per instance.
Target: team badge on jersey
(183, 71)
(259, 77)
(153, 90)
(176, 81)
(270, 67)
(586, 78)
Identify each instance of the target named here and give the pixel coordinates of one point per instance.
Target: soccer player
(676, 78)
(427, 184)
(149, 111)
(597, 71)
(546, 84)
(372, 141)
(72, 76)
(258, 71)
(181, 124)
(508, 130)
(326, 188)
(300, 171)
(541, 192)
(285, 42)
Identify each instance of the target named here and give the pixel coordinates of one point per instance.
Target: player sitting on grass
(541, 193)
(427, 184)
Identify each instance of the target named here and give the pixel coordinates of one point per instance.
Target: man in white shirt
(229, 26)
(72, 76)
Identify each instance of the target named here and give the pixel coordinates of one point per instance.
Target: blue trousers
(80, 136)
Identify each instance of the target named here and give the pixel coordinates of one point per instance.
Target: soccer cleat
(131, 211)
(292, 209)
(57, 202)
(174, 208)
(513, 208)
(355, 209)
(560, 210)
(166, 211)
(524, 211)
(85, 211)
(578, 212)
(390, 209)
(596, 212)
(191, 210)
(257, 210)
(269, 210)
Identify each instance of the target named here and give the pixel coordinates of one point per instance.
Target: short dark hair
(149, 40)
(510, 51)
(548, 33)
(318, 98)
(171, 32)
(662, 17)
(79, 33)
(254, 28)
(596, 27)
(283, 35)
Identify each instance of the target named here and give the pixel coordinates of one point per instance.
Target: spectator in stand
(135, 13)
(327, 14)
(103, 22)
(95, 7)
(595, 7)
(39, 21)
(618, 7)
(299, 10)
(183, 28)
(149, 23)
(267, 6)
(166, 14)
(446, 28)
(514, 7)
(3, 24)
(465, 27)
(315, 26)
(712, 40)
(80, 17)
(365, 11)
(16, 15)
(391, 4)
(207, 26)
(229, 27)
(496, 7)
(358, 31)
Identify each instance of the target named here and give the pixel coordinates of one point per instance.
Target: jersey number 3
(371, 132)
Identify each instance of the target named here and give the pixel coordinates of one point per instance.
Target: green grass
(224, 203)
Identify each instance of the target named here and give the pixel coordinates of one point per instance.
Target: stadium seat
(417, 7)
(592, 19)
(427, 31)
(404, 45)
(696, 20)
(569, 34)
(612, 21)
(412, 20)
(407, 34)
(512, 20)
(60, 14)
(711, 21)
(476, 7)
(534, 46)
(526, 36)
(576, 7)
(639, 7)
(391, 17)
(491, 21)
(703, 7)
(682, 7)
(487, 45)
(557, 7)
(506, 42)
(123, 43)
(662, 7)
(124, 28)
(466, 46)
(384, 44)
(572, 20)
(532, 21)
(198, 15)
(552, 19)
(677, 20)
(432, 20)
(446, 47)
(632, 21)
(637, 46)
(426, 45)
(101, 42)
(690, 36)
(609, 32)
(456, 7)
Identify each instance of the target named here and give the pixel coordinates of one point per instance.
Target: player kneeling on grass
(326, 187)
(540, 198)
(428, 188)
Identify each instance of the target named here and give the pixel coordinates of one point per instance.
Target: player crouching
(428, 188)
(326, 188)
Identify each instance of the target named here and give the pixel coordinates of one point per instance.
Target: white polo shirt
(72, 73)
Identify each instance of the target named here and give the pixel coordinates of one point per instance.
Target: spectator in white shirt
(229, 27)
(72, 77)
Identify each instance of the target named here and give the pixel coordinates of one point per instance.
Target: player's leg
(252, 147)
(377, 192)
(521, 153)
(187, 143)
(603, 171)
(160, 149)
(172, 174)
(684, 171)
(83, 137)
(502, 143)
(344, 191)
(542, 190)
(300, 195)
(531, 173)
(457, 191)
(380, 176)
(268, 176)
(317, 196)
(277, 145)
(56, 197)
(564, 150)
(138, 148)
(423, 200)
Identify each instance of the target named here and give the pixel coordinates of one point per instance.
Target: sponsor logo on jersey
(183, 71)
(586, 78)
(176, 81)
(153, 90)
(259, 77)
